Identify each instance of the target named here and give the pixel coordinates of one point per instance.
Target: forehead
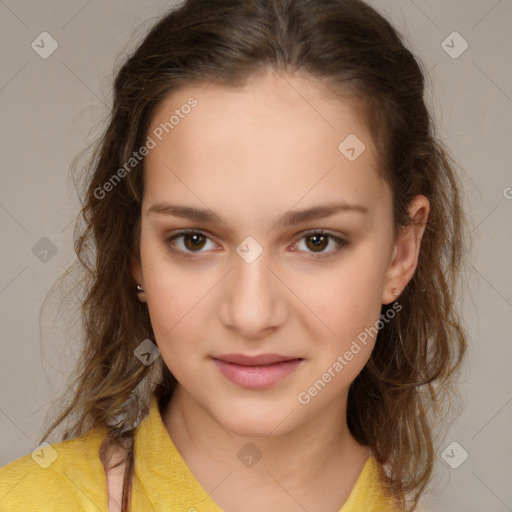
(279, 137)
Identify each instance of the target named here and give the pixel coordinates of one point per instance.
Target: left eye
(317, 241)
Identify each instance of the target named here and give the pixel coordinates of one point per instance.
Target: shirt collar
(161, 470)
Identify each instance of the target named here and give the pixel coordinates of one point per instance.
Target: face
(286, 264)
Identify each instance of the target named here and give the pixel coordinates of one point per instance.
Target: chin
(251, 420)
(245, 429)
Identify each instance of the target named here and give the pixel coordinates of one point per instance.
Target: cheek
(177, 313)
(170, 292)
(349, 297)
(176, 303)
(348, 303)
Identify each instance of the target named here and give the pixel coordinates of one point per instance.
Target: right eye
(190, 241)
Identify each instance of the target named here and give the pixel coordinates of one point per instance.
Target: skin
(250, 155)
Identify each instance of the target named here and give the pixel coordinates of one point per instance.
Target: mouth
(256, 372)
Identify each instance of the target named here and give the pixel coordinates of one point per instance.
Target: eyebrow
(288, 219)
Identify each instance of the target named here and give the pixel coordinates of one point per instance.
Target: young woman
(277, 232)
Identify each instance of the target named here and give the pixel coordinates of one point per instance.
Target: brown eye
(188, 242)
(317, 241)
(194, 241)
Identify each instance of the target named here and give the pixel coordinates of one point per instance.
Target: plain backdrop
(53, 107)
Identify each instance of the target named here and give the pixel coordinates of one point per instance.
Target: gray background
(53, 107)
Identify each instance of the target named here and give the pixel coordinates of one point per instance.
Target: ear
(406, 250)
(136, 271)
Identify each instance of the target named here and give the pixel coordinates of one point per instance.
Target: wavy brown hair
(355, 52)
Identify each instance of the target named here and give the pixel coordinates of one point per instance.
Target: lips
(256, 372)
(260, 360)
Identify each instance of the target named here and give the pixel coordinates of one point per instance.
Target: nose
(254, 300)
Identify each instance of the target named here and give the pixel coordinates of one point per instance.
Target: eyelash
(189, 254)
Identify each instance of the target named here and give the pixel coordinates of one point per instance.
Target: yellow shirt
(69, 477)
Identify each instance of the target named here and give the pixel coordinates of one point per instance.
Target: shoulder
(55, 476)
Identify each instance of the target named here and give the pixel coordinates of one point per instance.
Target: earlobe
(406, 251)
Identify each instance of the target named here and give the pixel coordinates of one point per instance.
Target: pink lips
(256, 372)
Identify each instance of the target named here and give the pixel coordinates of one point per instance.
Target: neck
(322, 447)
